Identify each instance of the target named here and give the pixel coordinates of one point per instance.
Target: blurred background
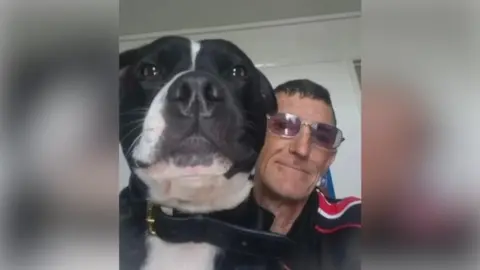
(412, 130)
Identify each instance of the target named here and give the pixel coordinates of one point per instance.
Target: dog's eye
(149, 70)
(239, 72)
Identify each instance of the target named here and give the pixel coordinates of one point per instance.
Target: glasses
(289, 125)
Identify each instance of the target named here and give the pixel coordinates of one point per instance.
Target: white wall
(145, 16)
(319, 48)
(304, 40)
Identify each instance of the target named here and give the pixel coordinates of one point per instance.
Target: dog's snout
(196, 94)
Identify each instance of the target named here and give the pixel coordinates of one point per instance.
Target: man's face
(291, 167)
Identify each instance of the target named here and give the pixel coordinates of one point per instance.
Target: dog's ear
(127, 58)
(268, 94)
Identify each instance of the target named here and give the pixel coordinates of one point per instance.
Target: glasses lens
(284, 124)
(326, 136)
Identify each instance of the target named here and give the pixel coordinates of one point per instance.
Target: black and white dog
(192, 120)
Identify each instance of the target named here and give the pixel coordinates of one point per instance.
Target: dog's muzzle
(200, 101)
(196, 95)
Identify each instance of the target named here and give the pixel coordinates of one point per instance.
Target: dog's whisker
(133, 122)
(130, 149)
(135, 111)
(130, 132)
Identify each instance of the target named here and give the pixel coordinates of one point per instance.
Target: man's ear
(268, 93)
(331, 159)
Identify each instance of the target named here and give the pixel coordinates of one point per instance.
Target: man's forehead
(305, 107)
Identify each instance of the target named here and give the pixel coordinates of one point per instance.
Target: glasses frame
(311, 125)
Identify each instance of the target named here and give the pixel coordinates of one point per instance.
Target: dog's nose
(196, 94)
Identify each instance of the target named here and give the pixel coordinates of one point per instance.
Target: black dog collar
(203, 228)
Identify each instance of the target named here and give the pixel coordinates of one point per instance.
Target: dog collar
(203, 228)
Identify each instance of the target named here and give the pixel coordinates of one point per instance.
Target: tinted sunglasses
(289, 125)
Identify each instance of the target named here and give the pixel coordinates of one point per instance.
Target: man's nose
(301, 144)
(196, 95)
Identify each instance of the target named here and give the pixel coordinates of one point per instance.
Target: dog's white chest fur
(186, 256)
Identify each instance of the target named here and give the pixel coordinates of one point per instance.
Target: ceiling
(144, 16)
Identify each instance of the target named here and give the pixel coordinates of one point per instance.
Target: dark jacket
(326, 236)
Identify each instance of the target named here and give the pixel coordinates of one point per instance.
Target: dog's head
(192, 120)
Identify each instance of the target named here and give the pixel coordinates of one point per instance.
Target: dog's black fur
(235, 127)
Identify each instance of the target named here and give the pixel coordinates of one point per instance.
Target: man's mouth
(293, 167)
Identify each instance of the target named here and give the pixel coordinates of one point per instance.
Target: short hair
(309, 89)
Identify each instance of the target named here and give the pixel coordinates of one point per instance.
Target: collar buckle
(150, 219)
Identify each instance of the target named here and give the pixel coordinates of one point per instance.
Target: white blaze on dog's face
(188, 112)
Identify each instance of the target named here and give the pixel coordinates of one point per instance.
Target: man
(301, 144)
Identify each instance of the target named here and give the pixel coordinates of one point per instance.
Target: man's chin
(295, 196)
(290, 193)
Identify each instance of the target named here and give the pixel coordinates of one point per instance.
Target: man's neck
(285, 212)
